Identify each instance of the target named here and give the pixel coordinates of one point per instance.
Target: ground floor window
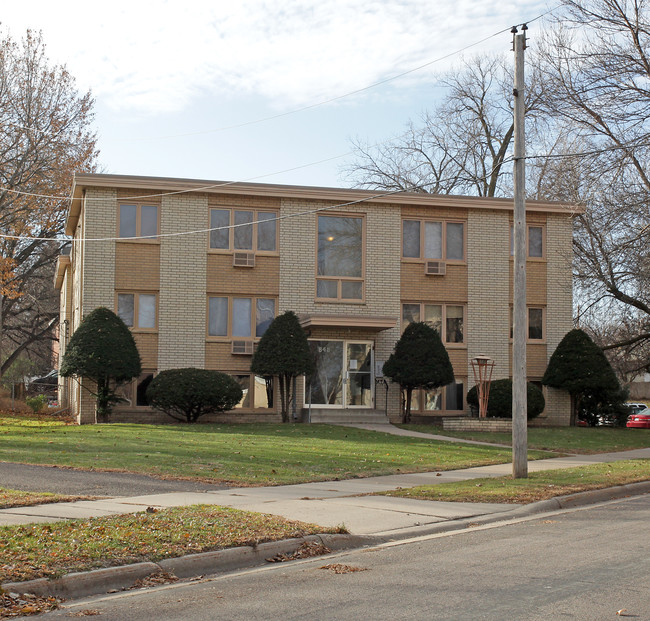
(257, 391)
(133, 393)
(450, 398)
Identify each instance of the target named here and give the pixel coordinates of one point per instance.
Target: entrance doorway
(343, 375)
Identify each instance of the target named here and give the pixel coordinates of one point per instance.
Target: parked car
(640, 420)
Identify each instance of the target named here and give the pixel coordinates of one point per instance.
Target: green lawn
(242, 454)
(582, 440)
(15, 498)
(538, 485)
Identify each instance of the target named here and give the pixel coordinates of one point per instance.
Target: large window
(450, 398)
(242, 229)
(535, 242)
(137, 310)
(257, 392)
(239, 317)
(431, 239)
(339, 272)
(137, 220)
(447, 319)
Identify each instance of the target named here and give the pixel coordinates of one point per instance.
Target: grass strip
(579, 440)
(538, 485)
(51, 550)
(15, 498)
(250, 454)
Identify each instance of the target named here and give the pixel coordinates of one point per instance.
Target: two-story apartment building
(198, 270)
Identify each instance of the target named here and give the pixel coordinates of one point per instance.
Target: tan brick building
(198, 270)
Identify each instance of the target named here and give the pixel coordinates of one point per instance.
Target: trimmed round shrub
(187, 394)
(500, 400)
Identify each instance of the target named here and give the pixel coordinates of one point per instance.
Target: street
(586, 564)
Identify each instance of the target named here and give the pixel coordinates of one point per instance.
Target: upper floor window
(137, 220)
(242, 229)
(446, 319)
(534, 241)
(239, 317)
(137, 310)
(339, 264)
(429, 239)
(535, 327)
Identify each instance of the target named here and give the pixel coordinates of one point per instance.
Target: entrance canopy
(370, 323)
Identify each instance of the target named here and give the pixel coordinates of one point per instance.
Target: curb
(100, 581)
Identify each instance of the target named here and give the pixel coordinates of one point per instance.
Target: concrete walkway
(328, 503)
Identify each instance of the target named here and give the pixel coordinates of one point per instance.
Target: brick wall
(182, 299)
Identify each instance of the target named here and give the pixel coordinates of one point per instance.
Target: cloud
(155, 57)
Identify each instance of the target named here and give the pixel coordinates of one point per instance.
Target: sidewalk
(329, 503)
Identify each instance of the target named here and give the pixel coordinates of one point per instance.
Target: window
(447, 319)
(239, 317)
(429, 239)
(340, 258)
(136, 220)
(137, 310)
(449, 398)
(536, 320)
(251, 230)
(534, 241)
(133, 393)
(257, 392)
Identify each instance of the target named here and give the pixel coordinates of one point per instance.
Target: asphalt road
(89, 483)
(581, 564)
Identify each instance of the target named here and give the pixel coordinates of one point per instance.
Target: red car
(640, 420)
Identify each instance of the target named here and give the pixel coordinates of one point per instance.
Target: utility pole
(519, 391)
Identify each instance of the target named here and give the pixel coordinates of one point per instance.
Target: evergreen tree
(103, 350)
(283, 351)
(580, 367)
(419, 360)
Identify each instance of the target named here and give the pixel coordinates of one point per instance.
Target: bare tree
(45, 136)
(462, 145)
(597, 69)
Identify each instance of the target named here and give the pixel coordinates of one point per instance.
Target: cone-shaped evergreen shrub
(580, 367)
(102, 349)
(283, 351)
(187, 394)
(419, 360)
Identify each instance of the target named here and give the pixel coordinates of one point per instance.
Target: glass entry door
(343, 375)
(359, 382)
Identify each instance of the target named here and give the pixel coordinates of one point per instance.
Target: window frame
(443, 320)
(530, 307)
(340, 279)
(229, 328)
(529, 225)
(251, 382)
(137, 238)
(136, 309)
(133, 385)
(231, 231)
(444, 222)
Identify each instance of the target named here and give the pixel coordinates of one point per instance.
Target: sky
(272, 91)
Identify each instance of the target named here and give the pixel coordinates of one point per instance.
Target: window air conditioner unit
(435, 268)
(244, 348)
(243, 259)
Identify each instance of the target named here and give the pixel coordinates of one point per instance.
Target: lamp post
(482, 367)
